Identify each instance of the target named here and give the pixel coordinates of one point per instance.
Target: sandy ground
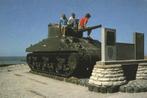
(17, 82)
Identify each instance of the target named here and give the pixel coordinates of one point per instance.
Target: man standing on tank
(83, 22)
(63, 24)
(72, 22)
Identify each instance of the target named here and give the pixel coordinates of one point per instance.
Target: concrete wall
(139, 45)
(108, 48)
(124, 51)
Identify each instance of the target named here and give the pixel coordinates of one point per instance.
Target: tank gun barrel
(90, 28)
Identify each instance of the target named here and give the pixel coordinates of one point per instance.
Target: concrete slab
(123, 62)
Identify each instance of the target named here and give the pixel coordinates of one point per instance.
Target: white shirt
(71, 21)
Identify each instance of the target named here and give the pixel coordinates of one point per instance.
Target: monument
(120, 62)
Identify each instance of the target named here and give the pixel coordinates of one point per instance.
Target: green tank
(65, 56)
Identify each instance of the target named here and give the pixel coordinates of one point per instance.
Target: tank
(65, 56)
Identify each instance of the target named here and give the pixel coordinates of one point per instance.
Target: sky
(24, 22)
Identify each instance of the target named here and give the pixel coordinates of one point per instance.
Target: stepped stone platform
(106, 78)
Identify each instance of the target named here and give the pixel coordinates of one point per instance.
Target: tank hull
(63, 64)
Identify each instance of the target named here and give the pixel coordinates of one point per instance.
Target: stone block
(114, 75)
(107, 83)
(142, 71)
(118, 83)
(98, 83)
(93, 78)
(116, 79)
(91, 81)
(93, 74)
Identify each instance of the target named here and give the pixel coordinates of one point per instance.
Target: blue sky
(24, 22)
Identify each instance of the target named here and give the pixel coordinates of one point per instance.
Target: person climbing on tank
(72, 21)
(63, 24)
(83, 22)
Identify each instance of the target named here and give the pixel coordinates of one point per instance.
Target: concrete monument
(119, 62)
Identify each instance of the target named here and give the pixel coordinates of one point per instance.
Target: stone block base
(106, 78)
(142, 71)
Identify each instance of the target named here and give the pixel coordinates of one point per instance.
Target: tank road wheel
(59, 65)
(38, 63)
(45, 60)
(70, 66)
(34, 59)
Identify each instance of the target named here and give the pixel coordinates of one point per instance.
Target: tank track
(74, 80)
(61, 64)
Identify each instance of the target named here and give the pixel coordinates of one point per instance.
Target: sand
(17, 82)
